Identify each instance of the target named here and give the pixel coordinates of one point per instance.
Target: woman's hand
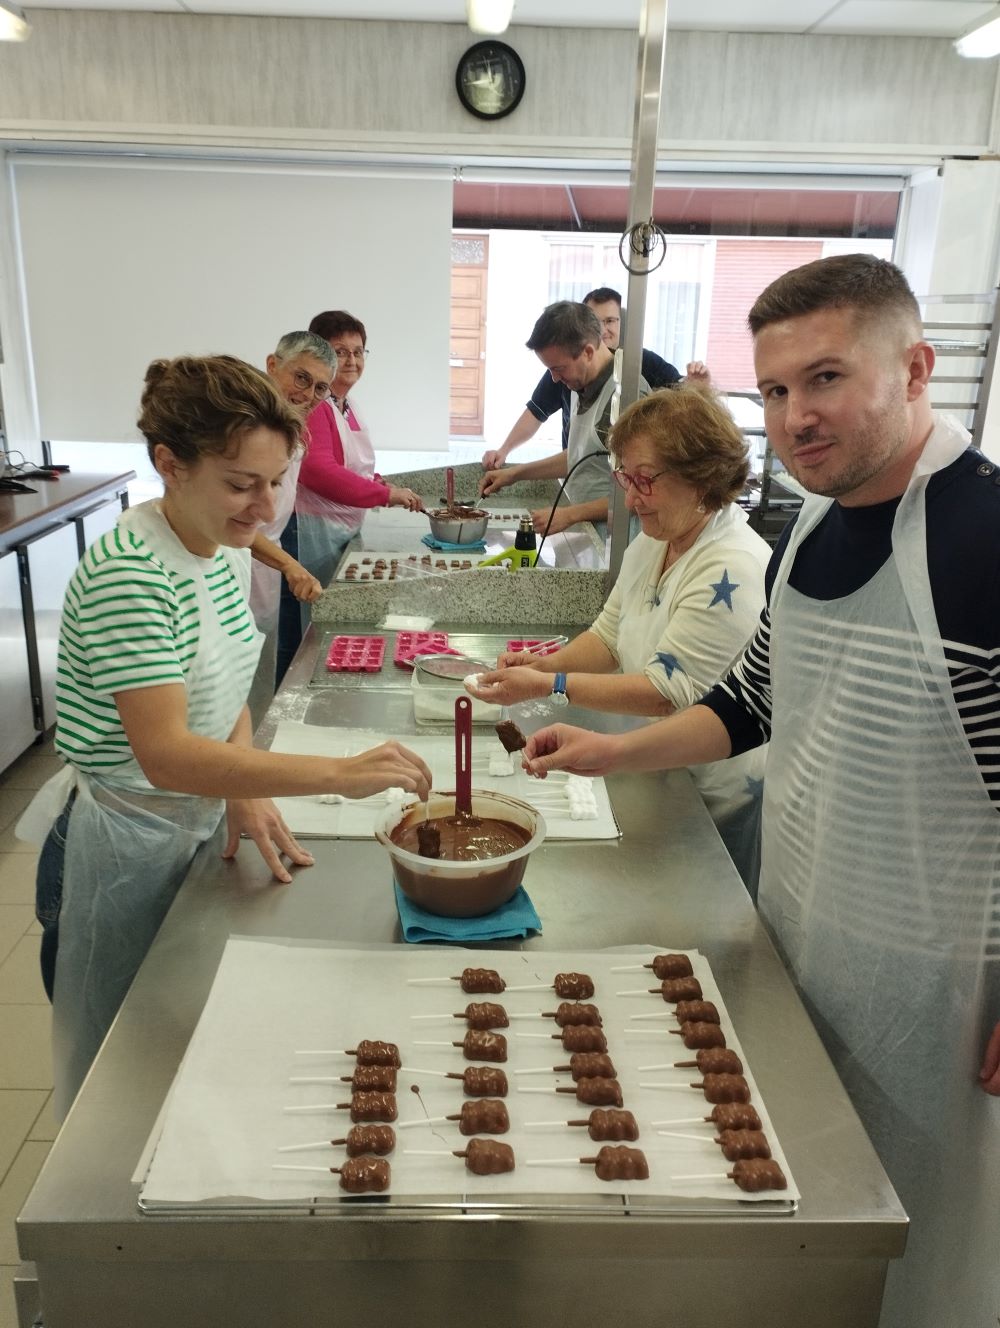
(495, 480)
(301, 583)
(561, 747)
(698, 375)
(390, 766)
(989, 1075)
(405, 498)
(516, 659)
(260, 820)
(508, 686)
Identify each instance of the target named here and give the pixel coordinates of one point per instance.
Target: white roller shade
(125, 262)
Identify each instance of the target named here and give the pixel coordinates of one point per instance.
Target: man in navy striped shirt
(875, 672)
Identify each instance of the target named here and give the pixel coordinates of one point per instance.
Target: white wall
(125, 262)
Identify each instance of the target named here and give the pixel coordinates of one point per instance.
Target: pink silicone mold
(356, 654)
(409, 644)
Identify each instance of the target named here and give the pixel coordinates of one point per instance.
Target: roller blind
(126, 261)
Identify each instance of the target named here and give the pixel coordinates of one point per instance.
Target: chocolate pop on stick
(671, 989)
(361, 1139)
(483, 1157)
(714, 1060)
(370, 1107)
(716, 1087)
(367, 1053)
(695, 1036)
(477, 1046)
(724, 1116)
(593, 1064)
(596, 1092)
(481, 1116)
(663, 966)
(575, 1037)
(568, 986)
(372, 1078)
(511, 737)
(753, 1176)
(477, 1080)
(477, 1014)
(613, 1162)
(471, 980)
(358, 1175)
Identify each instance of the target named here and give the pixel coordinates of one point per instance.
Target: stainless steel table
(669, 881)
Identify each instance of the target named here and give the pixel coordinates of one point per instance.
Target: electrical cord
(545, 533)
(643, 239)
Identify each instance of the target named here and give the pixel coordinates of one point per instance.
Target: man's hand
(494, 459)
(562, 519)
(508, 686)
(495, 480)
(989, 1075)
(301, 583)
(578, 751)
(697, 374)
(260, 820)
(390, 766)
(405, 498)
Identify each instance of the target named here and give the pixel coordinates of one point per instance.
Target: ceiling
(902, 18)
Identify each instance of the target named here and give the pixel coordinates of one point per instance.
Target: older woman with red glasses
(687, 600)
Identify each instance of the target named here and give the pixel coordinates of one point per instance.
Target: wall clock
(490, 80)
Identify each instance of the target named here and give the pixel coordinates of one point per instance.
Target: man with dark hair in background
(549, 396)
(567, 340)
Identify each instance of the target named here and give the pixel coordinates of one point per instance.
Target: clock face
(490, 79)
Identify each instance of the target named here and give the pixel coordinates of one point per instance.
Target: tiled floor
(26, 1125)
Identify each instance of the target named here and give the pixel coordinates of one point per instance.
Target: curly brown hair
(203, 405)
(695, 438)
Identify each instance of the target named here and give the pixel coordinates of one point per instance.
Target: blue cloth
(515, 919)
(432, 543)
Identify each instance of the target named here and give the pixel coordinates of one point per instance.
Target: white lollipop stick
(676, 1134)
(685, 1120)
(427, 1152)
(288, 1166)
(311, 1111)
(646, 1032)
(331, 1052)
(529, 1035)
(533, 986)
(638, 991)
(538, 1090)
(424, 1120)
(675, 1088)
(539, 1015)
(432, 1044)
(421, 982)
(703, 1175)
(436, 1016)
(410, 1069)
(316, 1079)
(660, 1014)
(305, 1148)
(546, 1069)
(537, 1124)
(668, 1066)
(627, 968)
(553, 1162)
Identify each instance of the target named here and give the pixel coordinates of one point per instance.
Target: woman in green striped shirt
(157, 650)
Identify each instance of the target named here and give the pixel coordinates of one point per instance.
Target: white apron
(731, 790)
(325, 526)
(128, 848)
(265, 582)
(592, 481)
(881, 866)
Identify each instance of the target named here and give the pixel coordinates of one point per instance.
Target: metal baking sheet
(227, 1117)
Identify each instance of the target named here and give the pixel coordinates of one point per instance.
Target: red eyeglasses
(643, 483)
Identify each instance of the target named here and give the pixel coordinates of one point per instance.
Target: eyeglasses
(641, 483)
(342, 353)
(304, 382)
(609, 322)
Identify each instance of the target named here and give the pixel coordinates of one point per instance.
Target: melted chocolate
(372, 1079)
(482, 1081)
(476, 981)
(371, 1107)
(734, 1116)
(671, 966)
(702, 1035)
(758, 1174)
(737, 1144)
(695, 1012)
(591, 1064)
(680, 989)
(609, 1123)
(582, 1037)
(484, 1014)
(575, 1013)
(462, 839)
(360, 1175)
(597, 1092)
(361, 1139)
(484, 1116)
(480, 1046)
(617, 1162)
(724, 1088)
(510, 736)
(377, 1053)
(486, 1157)
(573, 986)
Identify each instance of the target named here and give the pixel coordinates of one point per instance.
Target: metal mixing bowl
(457, 528)
(461, 889)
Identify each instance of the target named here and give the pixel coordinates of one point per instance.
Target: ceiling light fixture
(982, 41)
(489, 16)
(13, 25)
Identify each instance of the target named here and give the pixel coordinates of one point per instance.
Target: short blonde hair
(695, 439)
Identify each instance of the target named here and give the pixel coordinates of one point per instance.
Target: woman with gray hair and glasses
(687, 600)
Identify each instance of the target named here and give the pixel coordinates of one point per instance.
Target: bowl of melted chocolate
(458, 524)
(461, 866)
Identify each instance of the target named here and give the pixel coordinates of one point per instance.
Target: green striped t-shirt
(135, 616)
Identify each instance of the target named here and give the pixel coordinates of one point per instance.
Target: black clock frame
(489, 44)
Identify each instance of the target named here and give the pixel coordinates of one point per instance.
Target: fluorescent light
(491, 16)
(982, 42)
(13, 25)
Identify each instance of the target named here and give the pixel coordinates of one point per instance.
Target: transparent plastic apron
(128, 848)
(325, 526)
(731, 790)
(880, 870)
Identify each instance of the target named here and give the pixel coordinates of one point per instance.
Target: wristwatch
(558, 696)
